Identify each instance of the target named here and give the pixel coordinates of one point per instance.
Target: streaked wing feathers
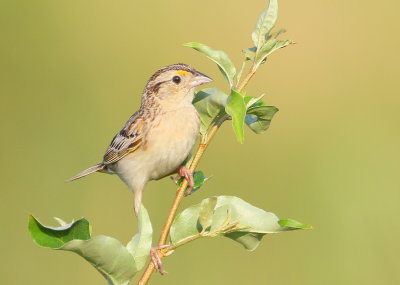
(127, 140)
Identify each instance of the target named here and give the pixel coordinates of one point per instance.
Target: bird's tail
(88, 171)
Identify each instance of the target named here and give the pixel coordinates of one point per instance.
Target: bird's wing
(128, 140)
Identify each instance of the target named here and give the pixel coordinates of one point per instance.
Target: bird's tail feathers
(88, 171)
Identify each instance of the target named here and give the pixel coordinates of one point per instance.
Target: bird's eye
(176, 79)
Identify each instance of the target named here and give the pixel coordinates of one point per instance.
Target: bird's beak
(199, 79)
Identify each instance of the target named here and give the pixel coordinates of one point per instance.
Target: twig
(239, 75)
(246, 80)
(167, 250)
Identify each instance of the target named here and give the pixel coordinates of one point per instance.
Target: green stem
(182, 242)
(240, 73)
(246, 80)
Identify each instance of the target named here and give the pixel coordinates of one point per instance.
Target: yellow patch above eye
(183, 72)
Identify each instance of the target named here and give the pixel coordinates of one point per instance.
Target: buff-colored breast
(165, 147)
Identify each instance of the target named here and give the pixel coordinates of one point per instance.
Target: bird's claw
(185, 172)
(156, 259)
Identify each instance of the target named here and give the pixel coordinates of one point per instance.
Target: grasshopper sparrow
(157, 139)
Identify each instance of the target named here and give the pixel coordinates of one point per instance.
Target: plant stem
(240, 72)
(183, 242)
(180, 192)
(246, 80)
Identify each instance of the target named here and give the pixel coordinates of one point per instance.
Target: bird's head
(175, 83)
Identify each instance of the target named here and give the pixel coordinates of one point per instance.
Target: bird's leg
(137, 201)
(183, 171)
(156, 259)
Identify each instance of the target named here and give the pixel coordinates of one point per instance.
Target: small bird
(157, 139)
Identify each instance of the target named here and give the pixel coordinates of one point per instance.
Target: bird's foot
(183, 171)
(156, 259)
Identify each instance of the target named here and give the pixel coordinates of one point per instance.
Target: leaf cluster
(215, 106)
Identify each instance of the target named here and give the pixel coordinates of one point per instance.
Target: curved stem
(183, 242)
(180, 192)
(247, 79)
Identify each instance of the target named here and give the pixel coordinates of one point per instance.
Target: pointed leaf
(199, 179)
(259, 118)
(236, 108)
(210, 104)
(117, 263)
(265, 23)
(249, 53)
(56, 237)
(253, 223)
(278, 33)
(293, 225)
(251, 101)
(269, 47)
(219, 57)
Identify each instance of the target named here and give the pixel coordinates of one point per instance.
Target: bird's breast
(170, 141)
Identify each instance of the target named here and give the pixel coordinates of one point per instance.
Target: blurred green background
(72, 72)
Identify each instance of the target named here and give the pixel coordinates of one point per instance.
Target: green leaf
(108, 256)
(210, 104)
(269, 47)
(251, 101)
(219, 57)
(236, 108)
(265, 23)
(206, 212)
(117, 263)
(56, 237)
(278, 33)
(293, 225)
(198, 178)
(258, 118)
(249, 53)
(231, 217)
(140, 245)
(186, 224)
